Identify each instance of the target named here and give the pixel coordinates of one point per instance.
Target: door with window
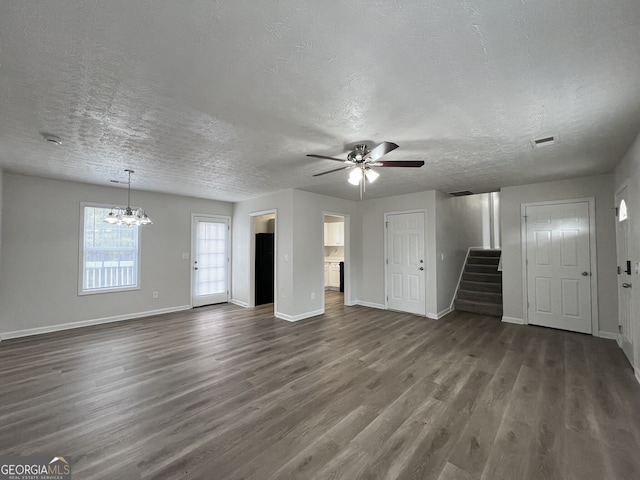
(558, 265)
(624, 274)
(210, 260)
(405, 263)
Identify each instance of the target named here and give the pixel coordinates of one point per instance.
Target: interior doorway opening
(335, 258)
(264, 267)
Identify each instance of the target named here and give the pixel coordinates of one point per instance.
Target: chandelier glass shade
(127, 215)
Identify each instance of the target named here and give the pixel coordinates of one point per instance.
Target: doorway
(623, 230)
(405, 266)
(559, 265)
(336, 259)
(263, 265)
(210, 260)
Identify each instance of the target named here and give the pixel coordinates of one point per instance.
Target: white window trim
(102, 291)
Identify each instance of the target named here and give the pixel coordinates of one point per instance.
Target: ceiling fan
(362, 160)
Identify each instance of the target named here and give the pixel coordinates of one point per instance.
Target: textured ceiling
(223, 100)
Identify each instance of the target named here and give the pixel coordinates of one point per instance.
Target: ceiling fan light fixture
(355, 177)
(371, 175)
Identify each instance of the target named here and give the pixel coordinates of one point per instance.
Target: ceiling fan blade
(398, 163)
(380, 151)
(327, 158)
(334, 170)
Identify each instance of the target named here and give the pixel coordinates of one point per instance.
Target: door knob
(195, 268)
(626, 285)
(585, 274)
(421, 268)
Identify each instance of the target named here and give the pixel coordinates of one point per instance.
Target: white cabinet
(334, 234)
(334, 275)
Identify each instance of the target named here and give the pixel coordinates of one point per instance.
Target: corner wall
(601, 188)
(40, 255)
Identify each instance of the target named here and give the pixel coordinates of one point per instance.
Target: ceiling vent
(544, 141)
(461, 193)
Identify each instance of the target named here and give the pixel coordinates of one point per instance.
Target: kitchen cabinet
(326, 273)
(334, 234)
(332, 275)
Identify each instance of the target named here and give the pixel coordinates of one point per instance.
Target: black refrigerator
(264, 268)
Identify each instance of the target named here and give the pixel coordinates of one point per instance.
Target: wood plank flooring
(224, 392)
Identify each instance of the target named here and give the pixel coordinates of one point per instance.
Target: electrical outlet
(155, 294)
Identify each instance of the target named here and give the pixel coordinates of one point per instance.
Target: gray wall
(1, 184)
(628, 172)
(601, 188)
(40, 253)
(461, 222)
(299, 250)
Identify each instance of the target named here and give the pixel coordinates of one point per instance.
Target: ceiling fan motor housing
(358, 154)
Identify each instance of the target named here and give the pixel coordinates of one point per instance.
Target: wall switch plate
(637, 268)
(185, 256)
(313, 295)
(155, 294)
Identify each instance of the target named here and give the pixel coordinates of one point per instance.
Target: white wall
(601, 188)
(1, 184)
(309, 210)
(40, 254)
(372, 286)
(299, 250)
(243, 250)
(628, 172)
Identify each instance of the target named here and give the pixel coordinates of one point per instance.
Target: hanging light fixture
(126, 215)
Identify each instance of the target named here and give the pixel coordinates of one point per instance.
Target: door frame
(595, 330)
(347, 257)
(252, 257)
(427, 266)
(624, 186)
(193, 250)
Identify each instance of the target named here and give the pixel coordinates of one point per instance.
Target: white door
(558, 262)
(405, 263)
(210, 260)
(624, 275)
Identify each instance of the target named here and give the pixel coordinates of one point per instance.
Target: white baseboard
(86, 323)
(296, 318)
(362, 303)
(517, 321)
(609, 336)
(240, 303)
(442, 313)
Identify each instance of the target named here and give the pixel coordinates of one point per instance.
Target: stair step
(482, 277)
(480, 296)
(481, 268)
(481, 286)
(484, 308)
(483, 261)
(485, 253)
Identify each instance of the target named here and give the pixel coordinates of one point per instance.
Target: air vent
(461, 193)
(544, 141)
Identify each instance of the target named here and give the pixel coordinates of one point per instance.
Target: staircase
(480, 289)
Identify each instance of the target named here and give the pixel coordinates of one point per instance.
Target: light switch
(637, 268)
(185, 256)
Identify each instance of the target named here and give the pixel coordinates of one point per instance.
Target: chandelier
(127, 215)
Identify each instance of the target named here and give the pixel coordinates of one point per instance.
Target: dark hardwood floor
(224, 392)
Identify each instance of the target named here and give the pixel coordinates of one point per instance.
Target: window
(622, 214)
(109, 254)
